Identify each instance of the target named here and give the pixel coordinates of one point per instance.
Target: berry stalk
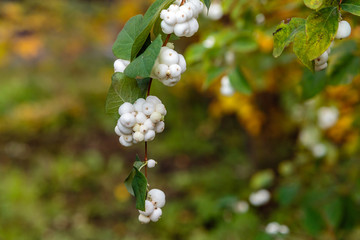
(148, 93)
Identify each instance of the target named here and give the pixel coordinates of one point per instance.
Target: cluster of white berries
(155, 201)
(169, 66)
(120, 65)
(344, 30)
(181, 20)
(327, 117)
(226, 88)
(260, 197)
(274, 228)
(140, 121)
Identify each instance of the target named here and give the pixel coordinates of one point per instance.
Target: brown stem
(145, 159)
(166, 40)
(148, 93)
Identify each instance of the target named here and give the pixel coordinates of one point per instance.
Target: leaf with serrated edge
(299, 48)
(142, 66)
(321, 27)
(128, 182)
(125, 39)
(139, 185)
(351, 6)
(238, 81)
(313, 4)
(150, 17)
(285, 34)
(122, 89)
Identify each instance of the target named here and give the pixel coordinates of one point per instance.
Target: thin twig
(148, 93)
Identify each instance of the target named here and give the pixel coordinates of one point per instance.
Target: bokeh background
(62, 167)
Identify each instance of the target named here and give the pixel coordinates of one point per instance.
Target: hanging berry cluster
(144, 53)
(313, 37)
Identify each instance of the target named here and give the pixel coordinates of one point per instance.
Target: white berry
(182, 29)
(120, 65)
(321, 67)
(155, 117)
(128, 120)
(155, 216)
(117, 131)
(148, 108)
(169, 56)
(141, 118)
(144, 219)
(123, 129)
(322, 59)
(123, 142)
(182, 63)
(344, 30)
(175, 70)
(166, 28)
(149, 135)
(159, 127)
(153, 99)
(170, 18)
(157, 197)
(138, 136)
(126, 107)
(138, 104)
(149, 124)
(143, 129)
(149, 208)
(151, 163)
(160, 108)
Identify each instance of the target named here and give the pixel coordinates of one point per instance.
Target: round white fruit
(151, 163)
(157, 197)
(149, 208)
(344, 30)
(144, 219)
(155, 216)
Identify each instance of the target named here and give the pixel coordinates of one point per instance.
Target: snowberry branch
(141, 119)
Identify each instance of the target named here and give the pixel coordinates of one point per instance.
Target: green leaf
(142, 66)
(244, 44)
(286, 194)
(334, 212)
(312, 83)
(299, 48)
(212, 75)
(313, 4)
(351, 6)
(313, 221)
(122, 89)
(321, 27)
(195, 53)
(143, 84)
(285, 34)
(207, 3)
(328, 3)
(344, 65)
(138, 163)
(262, 179)
(139, 185)
(128, 182)
(239, 82)
(150, 17)
(125, 39)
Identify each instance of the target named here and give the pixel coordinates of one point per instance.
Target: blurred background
(271, 162)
